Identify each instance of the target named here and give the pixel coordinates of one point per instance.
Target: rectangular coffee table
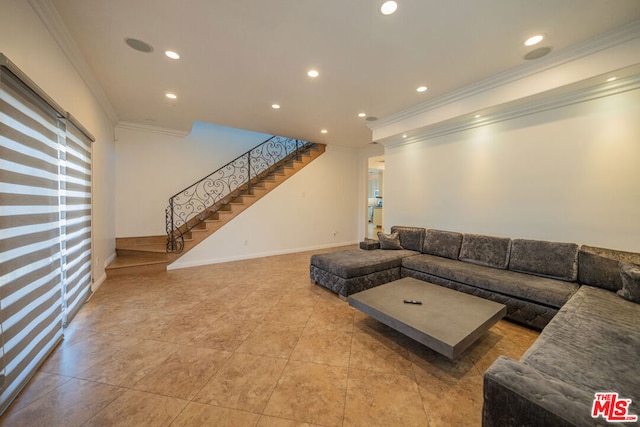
(448, 321)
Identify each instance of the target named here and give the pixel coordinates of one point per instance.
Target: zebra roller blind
(45, 226)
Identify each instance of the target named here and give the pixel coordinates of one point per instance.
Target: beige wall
(28, 44)
(568, 174)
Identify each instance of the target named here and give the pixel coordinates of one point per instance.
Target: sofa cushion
(541, 290)
(389, 241)
(630, 274)
(411, 238)
(548, 259)
(590, 344)
(601, 267)
(357, 262)
(490, 251)
(442, 243)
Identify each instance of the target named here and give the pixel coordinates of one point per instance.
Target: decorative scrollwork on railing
(196, 203)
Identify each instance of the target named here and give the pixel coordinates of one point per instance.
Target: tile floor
(249, 343)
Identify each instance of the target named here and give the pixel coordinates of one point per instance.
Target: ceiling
(238, 57)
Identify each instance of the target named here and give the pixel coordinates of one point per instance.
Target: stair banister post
(172, 236)
(249, 172)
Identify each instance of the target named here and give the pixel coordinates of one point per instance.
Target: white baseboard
(178, 265)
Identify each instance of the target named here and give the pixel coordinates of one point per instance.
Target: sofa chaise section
(350, 271)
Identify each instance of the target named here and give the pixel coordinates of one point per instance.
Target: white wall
(152, 166)
(301, 214)
(28, 44)
(568, 174)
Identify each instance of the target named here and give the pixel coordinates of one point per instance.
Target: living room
(551, 156)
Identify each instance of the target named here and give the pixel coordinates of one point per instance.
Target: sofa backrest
(600, 267)
(490, 251)
(445, 244)
(411, 238)
(549, 259)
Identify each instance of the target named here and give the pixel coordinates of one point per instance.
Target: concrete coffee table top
(447, 321)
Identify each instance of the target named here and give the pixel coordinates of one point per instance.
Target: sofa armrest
(516, 394)
(369, 244)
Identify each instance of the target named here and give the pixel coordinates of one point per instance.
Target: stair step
(151, 249)
(136, 264)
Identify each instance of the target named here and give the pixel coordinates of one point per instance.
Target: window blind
(45, 226)
(76, 220)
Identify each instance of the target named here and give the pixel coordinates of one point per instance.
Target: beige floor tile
(199, 414)
(71, 404)
(323, 346)
(129, 365)
(271, 339)
(453, 405)
(73, 359)
(182, 328)
(337, 317)
(183, 373)
(266, 421)
(225, 334)
(291, 315)
(244, 382)
(311, 393)
(378, 399)
(376, 352)
(40, 384)
(136, 408)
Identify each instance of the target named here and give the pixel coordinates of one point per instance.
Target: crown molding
(587, 90)
(585, 48)
(154, 129)
(51, 19)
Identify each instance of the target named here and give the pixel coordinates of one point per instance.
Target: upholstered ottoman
(351, 271)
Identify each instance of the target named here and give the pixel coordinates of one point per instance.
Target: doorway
(375, 205)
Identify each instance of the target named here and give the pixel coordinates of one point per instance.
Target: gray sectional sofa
(590, 339)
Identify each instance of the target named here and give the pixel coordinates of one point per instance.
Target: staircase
(198, 211)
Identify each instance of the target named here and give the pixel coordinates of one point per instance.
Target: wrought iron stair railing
(192, 206)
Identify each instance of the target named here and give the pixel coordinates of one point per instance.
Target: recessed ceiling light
(171, 95)
(534, 40)
(275, 106)
(404, 135)
(171, 54)
(362, 115)
(313, 73)
(610, 79)
(477, 116)
(324, 131)
(421, 89)
(139, 45)
(388, 7)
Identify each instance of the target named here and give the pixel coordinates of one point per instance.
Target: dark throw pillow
(630, 274)
(389, 241)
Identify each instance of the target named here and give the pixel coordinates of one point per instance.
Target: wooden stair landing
(147, 254)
